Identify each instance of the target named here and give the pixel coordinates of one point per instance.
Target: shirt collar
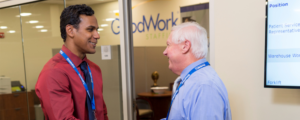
(190, 67)
(74, 58)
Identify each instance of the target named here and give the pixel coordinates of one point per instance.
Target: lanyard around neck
(198, 67)
(92, 98)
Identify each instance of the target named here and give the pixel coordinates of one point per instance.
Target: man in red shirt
(70, 86)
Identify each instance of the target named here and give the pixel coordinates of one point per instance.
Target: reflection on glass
(32, 21)
(41, 33)
(3, 27)
(39, 26)
(13, 99)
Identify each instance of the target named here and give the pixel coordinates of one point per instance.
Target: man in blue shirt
(199, 92)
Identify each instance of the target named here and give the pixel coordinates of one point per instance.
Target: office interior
(236, 43)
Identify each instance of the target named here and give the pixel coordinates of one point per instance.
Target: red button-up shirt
(62, 93)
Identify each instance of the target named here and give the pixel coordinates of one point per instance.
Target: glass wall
(41, 34)
(13, 99)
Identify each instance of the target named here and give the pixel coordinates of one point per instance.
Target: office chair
(144, 109)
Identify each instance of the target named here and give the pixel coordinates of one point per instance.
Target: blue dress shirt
(202, 97)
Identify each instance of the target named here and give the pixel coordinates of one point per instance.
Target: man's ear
(186, 46)
(70, 30)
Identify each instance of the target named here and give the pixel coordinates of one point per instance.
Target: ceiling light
(116, 11)
(109, 19)
(25, 14)
(104, 25)
(100, 29)
(11, 31)
(44, 30)
(39, 26)
(33, 21)
(3, 27)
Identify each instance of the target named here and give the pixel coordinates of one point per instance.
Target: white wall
(238, 36)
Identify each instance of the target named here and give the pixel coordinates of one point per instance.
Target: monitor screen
(282, 50)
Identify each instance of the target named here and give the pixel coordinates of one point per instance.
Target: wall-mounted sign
(106, 52)
(1, 34)
(156, 22)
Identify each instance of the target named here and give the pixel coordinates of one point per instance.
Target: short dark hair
(70, 15)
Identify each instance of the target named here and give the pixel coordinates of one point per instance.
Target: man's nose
(165, 52)
(97, 35)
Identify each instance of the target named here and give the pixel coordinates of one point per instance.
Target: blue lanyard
(84, 84)
(198, 67)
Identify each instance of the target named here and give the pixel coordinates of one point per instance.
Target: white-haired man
(199, 92)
